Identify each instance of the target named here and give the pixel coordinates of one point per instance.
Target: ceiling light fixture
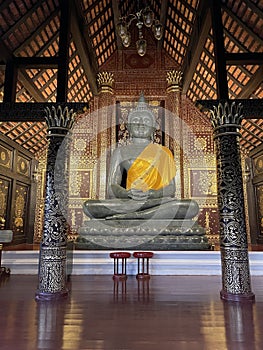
(143, 17)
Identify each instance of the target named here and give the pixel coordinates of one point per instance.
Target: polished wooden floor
(176, 312)
(26, 246)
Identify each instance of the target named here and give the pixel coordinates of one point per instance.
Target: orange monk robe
(153, 169)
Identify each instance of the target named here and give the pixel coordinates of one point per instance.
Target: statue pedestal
(104, 234)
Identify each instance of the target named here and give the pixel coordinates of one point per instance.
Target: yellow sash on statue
(153, 169)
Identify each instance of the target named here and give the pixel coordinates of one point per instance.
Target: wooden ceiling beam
(244, 58)
(219, 51)
(252, 108)
(14, 75)
(29, 86)
(5, 53)
(63, 52)
(163, 17)
(26, 111)
(11, 75)
(85, 50)
(198, 38)
(36, 62)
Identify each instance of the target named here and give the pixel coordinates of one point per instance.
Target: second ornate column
(226, 121)
(106, 127)
(173, 124)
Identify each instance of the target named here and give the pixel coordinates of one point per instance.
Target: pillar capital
(174, 80)
(59, 121)
(105, 82)
(226, 118)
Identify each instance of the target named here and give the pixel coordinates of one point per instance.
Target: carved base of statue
(99, 234)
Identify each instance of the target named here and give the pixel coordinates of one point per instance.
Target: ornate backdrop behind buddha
(140, 210)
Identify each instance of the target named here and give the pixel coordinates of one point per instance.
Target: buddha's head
(141, 120)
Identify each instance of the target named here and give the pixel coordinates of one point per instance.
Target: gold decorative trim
(174, 80)
(105, 82)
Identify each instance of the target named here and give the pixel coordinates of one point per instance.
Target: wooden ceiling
(30, 40)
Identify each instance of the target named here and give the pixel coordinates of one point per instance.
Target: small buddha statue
(149, 171)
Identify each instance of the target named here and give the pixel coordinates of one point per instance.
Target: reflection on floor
(172, 312)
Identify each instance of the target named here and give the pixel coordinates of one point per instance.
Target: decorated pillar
(106, 127)
(226, 121)
(174, 124)
(53, 248)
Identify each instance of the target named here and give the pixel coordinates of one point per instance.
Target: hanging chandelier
(142, 17)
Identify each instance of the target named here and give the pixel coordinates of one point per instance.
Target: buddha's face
(141, 126)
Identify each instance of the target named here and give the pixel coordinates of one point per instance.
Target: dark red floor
(178, 313)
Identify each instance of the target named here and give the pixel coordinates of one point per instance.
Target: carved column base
(46, 296)
(52, 274)
(248, 297)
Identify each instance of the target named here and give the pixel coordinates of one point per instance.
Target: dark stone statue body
(135, 203)
(140, 210)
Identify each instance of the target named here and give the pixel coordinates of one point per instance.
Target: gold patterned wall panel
(259, 190)
(16, 179)
(258, 165)
(6, 157)
(209, 219)
(5, 186)
(199, 167)
(20, 209)
(203, 183)
(23, 166)
(80, 184)
(40, 178)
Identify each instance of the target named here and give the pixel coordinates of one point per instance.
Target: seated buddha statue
(149, 171)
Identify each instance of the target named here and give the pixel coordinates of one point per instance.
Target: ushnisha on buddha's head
(141, 120)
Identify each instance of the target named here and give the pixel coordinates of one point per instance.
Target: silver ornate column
(53, 248)
(226, 121)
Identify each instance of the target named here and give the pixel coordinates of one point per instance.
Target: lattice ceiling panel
(21, 19)
(78, 86)
(246, 14)
(252, 133)
(179, 24)
(45, 81)
(99, 19)
(239, 77)
(32, 136)
(22, 94)
(203, 85)
(259, 92)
